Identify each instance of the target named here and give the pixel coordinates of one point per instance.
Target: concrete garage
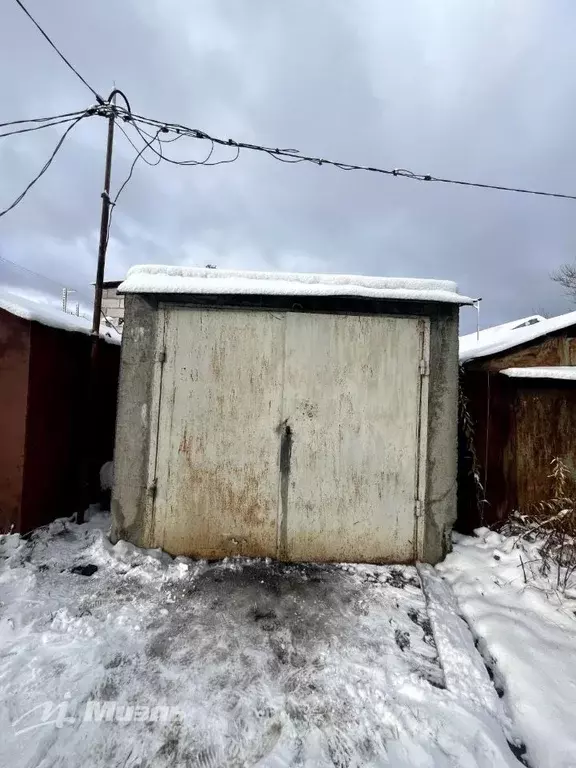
(295, 416)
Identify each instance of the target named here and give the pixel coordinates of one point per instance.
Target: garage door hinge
(152, 489)
(424, 368)
(418, 508)
(161, 356)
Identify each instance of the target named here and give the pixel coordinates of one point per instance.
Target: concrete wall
(133, 496)
(133, 425)
(442, 464)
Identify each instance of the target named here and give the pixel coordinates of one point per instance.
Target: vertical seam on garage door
(422, 442)
(281, 513)
(154, 428)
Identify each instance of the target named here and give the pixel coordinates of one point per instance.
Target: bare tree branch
(565, 276)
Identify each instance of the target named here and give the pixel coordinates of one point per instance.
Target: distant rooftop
(196, 280)
(503, 337)
(46, 314)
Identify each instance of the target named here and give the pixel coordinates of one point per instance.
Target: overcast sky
(475, 89)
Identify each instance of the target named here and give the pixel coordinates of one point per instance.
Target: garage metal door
(290, 434)
(351, 396)
(217, 451)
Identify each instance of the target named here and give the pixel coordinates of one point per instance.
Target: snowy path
(526, 630)
(263, 664)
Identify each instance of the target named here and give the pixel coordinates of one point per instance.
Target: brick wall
(113, 304)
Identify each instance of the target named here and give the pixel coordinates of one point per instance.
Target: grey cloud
(471, 90)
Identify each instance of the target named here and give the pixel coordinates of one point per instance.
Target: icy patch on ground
(262, 664)
(526, 631)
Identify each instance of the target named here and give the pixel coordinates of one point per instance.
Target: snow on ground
(261, 664)
(526, 631)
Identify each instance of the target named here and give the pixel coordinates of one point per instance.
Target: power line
(41, 119)
(39, 275)
(44, 168)
(138, 156)
(59, 285)
(41, 126)
(127, 179)
(161, 155)
(134, 147)
(294, 156)
(99, 99)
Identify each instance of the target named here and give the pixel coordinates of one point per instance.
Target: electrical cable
(293, 156)
(45, 167)
(42, 119)
(161, 155)
(99, 98)
(37, 127)
(134, 147)
(80, 293)
(38, 274)
(125, 182)
(138, 156)
(277, 153)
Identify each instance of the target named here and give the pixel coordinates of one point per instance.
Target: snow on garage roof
(46, 314)
(494, 340)
(196, 280)
(471, 339)
(565, 372)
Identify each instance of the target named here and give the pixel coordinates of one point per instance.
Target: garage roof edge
(153, 279)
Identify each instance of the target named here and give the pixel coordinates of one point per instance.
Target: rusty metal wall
(558, 349)
(491, 403)
(56, 421)
(545, 429)
(43, 386)
(14, 359)
(519, 426)
(289, 435)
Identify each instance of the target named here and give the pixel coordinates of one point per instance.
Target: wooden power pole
(92, 420)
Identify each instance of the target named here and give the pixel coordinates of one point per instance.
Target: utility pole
(92, 421)
(104, 221)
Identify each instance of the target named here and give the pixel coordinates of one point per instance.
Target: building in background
(113, 302)
(44, 378)
(519, 393)
(296, 416)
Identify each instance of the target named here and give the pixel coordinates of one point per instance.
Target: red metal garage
(44, 366)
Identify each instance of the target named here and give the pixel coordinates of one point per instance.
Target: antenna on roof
(476, 303)
(65, 293)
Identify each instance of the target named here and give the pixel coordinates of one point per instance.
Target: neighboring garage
(44, 378)
(302, 417)
(519, 389)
